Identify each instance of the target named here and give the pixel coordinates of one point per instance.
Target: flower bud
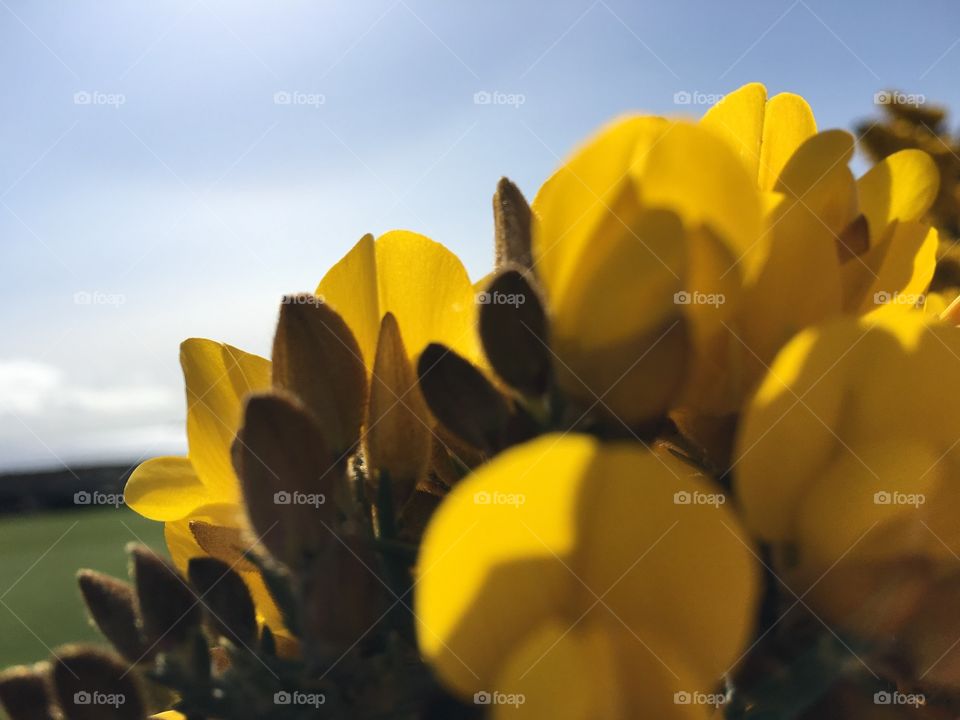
(513, 328)
(94, 685)
(288, 476)
(112, 605)
(512, 219)
(398, 423)
(317, 359)
(462, 399)
(226, 598)
(169, 610)
(25, 693)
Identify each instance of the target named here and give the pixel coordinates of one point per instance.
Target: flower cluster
(686, 451)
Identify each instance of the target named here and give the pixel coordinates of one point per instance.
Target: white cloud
(46, 419)
(33, 388)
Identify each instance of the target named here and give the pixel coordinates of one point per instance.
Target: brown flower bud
(398, 423)
(288, 475)
(317, 359)
(462, 399)
(94, 685)
(513, 328)
(226, 598)
(512, 221)
(112, 605)
(169, 609)
(25, 693)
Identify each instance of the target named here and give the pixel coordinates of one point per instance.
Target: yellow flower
(645, 211)
(847, 456)
(677, 259)
(829, 243)
(429, 293)
(203, 487)
(591, 580)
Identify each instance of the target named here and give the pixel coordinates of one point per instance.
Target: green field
(40, 605)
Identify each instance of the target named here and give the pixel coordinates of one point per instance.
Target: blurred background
(169, 170)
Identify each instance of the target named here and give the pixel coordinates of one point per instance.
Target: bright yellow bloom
(645, 210)
(848, 454)
(203, 486)
(678, 258)
(422, 283)
(595, 580)
(830, 244)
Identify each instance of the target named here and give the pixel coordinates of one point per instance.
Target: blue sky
(154, 185)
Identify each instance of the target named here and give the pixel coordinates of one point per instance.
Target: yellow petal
(578, 196)
(893, 274)
(739, 118)
(634, 361)
(421, 282)
(714, 381)
(492, 543)
(694, 173)
(165, 488)
(784, 438)
(169, 715)
(865, 489)
(788, 123)
(652, 550)
(901, 187)
(427, 289)
(798, 284)
(592, 669)
(569, 673)
(818, 177)
(352, 289)
(218, 377)
(764, 133)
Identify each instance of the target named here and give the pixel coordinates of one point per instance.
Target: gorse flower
(572, 574)
(198, 497)
(847, 464)
(828, 244)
